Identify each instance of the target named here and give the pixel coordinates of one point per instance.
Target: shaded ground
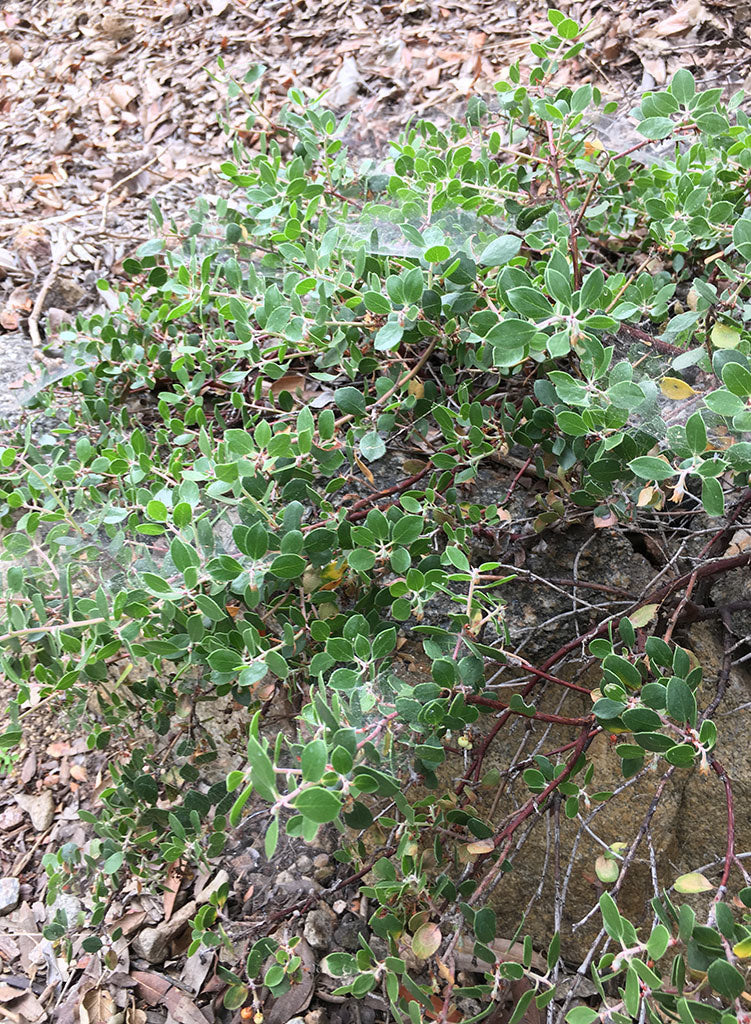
(105, 109)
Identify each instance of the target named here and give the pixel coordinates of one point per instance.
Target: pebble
(346, 935)
(304, 864)
(324, 874)
(318, 930)
(40, 807)
(316, 1017)
(70, 906)
(321, 861)
(10, 894)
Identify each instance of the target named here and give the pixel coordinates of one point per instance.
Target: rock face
(687, 827)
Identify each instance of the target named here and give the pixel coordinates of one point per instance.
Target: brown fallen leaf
(58, 750)
(151, 987)
(292, 382)
(97, 1007)
(173, 882)
(686, 16)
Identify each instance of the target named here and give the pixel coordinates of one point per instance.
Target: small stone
(324, 874)
(321, 861)
(40, 807)
(367, 1015)
(347, 934)
(15, 53)
(180, 13)
(316, 1017)
(296, 1020)
(318, 930)
(304, 864)
(153, 943)
(10, 894)
(70, 906)
(339, 906)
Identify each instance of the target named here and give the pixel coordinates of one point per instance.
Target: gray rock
(319, 929)
(347, 934)
(40, 807)
(153, 943)
(70, 906)
(10, 894)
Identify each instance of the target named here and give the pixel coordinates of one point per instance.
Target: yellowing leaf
(675, 388)
(693, 882)
(481, 846)
(643, 615)
(607, 870)
(742, 949)
(725, 336)
(426, 940)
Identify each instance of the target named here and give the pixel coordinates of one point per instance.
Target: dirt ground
(105, 107)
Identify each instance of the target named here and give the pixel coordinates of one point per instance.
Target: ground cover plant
(505, 291)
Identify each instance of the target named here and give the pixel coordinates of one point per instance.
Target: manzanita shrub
(508, 288)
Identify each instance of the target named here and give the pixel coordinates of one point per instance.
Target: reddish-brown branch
(539, 716)
(363, 506)
(713, 568)
(533, 804)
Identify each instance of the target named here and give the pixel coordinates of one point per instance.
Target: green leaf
(499, 251)
(655, 127)
(313, 760)
(388, 337)
(696, 433)
(318, 804)
(437, 253)
(581, 1015)
(683, 86)
(377, 303)
(485, 925)
(737, 379)
(725, 979)
(648, 467)
(610, 916)
(113, 863)
(681, 703)
(157, 510)
(658, 941)
(235, 997)
(288, 567)
(225, 660)
(712, 497)
(271, 838)
(350, 400)
(372, 446)
(262, 774)
(529, 302)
